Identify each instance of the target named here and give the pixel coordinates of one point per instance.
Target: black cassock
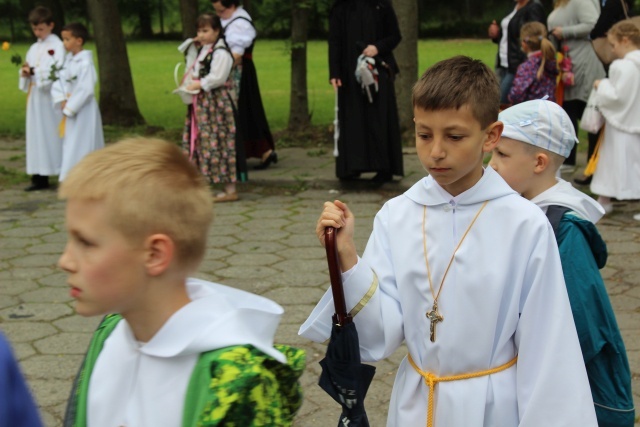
(369, 132)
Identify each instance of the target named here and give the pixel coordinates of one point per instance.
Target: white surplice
(240, 34)
(503, 296)
(83, 124)
(44, 146)
(144, 384)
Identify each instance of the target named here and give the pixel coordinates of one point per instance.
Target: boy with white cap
(537, 137)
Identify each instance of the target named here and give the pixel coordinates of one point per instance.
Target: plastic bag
(592, 119)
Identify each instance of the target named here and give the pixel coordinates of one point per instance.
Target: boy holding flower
(44, 146)
(73, 93)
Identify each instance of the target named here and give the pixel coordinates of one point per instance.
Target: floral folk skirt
(214, 150)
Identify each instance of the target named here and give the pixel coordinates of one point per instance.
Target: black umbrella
(343, 376)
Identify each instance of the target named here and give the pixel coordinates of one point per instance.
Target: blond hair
(626, 29)
(457, 81)
(534, 35)
(149, 187)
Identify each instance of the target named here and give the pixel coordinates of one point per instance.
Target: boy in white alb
(537, 138)
(44, 146)
(172, 350)
(466, 273)
(73, 92)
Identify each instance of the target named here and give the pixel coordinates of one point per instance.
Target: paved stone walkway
(264, 243)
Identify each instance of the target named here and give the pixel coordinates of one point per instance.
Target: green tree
(406, 55)
(299, 105)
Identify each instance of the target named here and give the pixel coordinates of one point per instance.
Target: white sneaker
(637, 217)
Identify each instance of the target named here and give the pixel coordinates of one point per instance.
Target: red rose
(51, 52)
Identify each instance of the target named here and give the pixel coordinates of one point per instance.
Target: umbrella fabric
(344, 378)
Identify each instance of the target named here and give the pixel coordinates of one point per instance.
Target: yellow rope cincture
(365, 299)
(431, 380)
(61, 126)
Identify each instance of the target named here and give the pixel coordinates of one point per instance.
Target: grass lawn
(152, 65)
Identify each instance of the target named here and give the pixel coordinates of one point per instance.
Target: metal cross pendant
(434, 317)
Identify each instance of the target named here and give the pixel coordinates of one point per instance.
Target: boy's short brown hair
(77, 30)
(454, 82)
(149, 186)
(40, 15)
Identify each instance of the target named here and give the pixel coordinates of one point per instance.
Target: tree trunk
(407, 57)
(118, 103)
(188, 15)
(299, 105)
(246, 4)
(144, 18)
(161, 16)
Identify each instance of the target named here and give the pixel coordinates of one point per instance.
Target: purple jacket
(527, 87)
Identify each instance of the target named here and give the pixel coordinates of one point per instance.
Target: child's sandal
(225, 197)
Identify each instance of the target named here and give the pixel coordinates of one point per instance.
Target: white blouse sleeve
(221, 64)
(239, 35)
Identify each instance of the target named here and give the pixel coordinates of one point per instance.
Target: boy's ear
(493, 133)
(159, 249)
(542, 162)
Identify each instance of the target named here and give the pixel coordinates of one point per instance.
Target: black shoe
(585, 180)
(350, 177)
(38, 182)
(271, 158)
(382, 177)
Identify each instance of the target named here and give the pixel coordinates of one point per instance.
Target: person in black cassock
(369, 131)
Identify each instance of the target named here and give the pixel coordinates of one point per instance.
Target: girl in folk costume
(44, 146)
(618, 171)
(210, 130)
(254, 137)
(536, 77)
(73, 91)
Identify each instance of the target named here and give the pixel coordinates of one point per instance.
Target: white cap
(541, 123)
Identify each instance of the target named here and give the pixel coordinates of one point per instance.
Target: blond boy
(466, 273)
(537, 137)
(172, 350)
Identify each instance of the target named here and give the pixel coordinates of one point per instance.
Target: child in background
(44, 146)
(617, 174)
(210, 131)
(536, 77)
(537, 137)
(73, 92)
(177, 351)
(466, 273)
(17, 408)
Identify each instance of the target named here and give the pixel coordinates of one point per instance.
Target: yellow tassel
(593, 160)
(61, 126)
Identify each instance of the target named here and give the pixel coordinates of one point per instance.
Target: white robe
(618, 171)
(144, 384)
(503, 296)
(83, 124)
(44, 146)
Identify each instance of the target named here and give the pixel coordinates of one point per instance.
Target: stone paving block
(302, 266)
(299, 241)
(35, 312)
(20, 243)
(247, 273)
(251, 260)
(47, 294)
(8, 301)
(26, 331)
(21, 350)
(57, 366)
(308, 279)
(227, 230)
(27, 232)
(252, 246)
(40, 260)
(211, 266)
(295, 295)
(51, 392)
(55, 278)
(7, 254)
(59, 237)
(216, 253)
(77, 323)
(220, 241)
(72, 343)
(30, 273)
(316, 252)
(46, 248)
